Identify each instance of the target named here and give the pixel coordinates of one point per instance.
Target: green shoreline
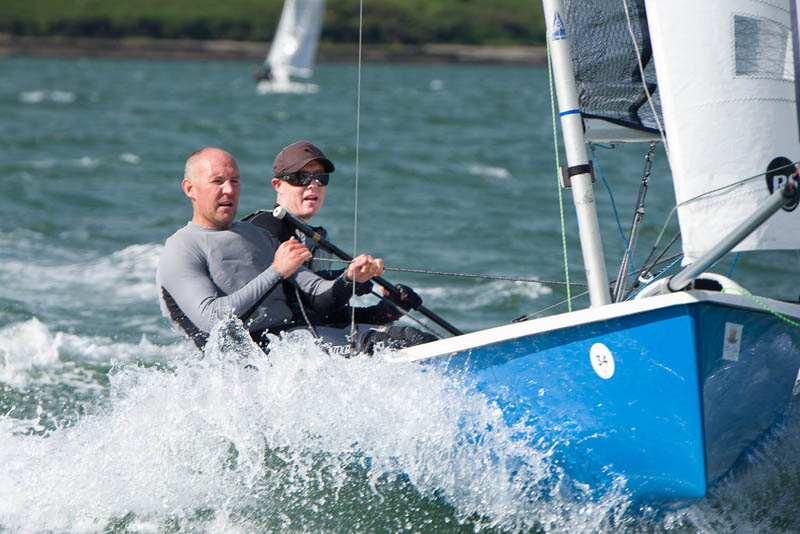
(187, 49)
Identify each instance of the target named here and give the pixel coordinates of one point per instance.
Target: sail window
(607, 74)
(763, 48)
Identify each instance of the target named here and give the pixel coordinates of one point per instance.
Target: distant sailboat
(294, 48)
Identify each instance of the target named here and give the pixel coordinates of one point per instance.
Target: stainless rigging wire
(468, 275)
(358, 146)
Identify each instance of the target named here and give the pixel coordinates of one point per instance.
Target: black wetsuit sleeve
(324, 296)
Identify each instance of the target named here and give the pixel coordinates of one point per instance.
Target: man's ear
(276, 183)
(188, 188)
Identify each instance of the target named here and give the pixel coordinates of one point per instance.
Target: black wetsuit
(378, 314)
(379, 317)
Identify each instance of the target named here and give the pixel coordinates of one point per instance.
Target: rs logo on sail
(778, 172)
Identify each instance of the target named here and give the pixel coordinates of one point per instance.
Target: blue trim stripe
(569, 112)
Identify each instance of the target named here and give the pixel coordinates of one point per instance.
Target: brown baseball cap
(296, 156)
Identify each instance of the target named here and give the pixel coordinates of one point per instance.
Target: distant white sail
(726, 84)
(293, 50)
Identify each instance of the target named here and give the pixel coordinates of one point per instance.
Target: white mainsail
(726, 86)
(293, 50)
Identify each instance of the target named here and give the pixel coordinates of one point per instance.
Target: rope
(614, 207)
(644, 81)
(305, 316)
(646, 265)
(527, 316)
(407, 315)
(558, 184)
(724, 290)
(656, 277)
(757, 301)
(707, 193)
(735, 259)
(465, 275)
(358, 146)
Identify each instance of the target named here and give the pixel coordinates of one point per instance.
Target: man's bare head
(211, 180)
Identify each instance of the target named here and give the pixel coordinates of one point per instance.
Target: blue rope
(735, 258)
(656, 277)
(616, 214)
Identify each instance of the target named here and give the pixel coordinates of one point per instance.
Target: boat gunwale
(502, 333)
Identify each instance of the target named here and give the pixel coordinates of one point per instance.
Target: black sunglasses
(302, 179)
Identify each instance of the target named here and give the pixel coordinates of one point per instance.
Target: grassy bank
(409, 22)
(192, 49)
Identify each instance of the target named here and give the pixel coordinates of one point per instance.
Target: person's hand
(290, 256)
(364, 267)
(407, 298)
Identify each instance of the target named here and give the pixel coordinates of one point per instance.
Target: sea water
(112, 422)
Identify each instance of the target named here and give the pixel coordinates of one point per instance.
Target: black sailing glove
(406, 300)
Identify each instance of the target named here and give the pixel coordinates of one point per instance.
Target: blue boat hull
(670, 397)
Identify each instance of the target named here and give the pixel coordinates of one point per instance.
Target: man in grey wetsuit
(301, 174)
(215, 265)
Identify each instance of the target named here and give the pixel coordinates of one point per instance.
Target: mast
(577, 160)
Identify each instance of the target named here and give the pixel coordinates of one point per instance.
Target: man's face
(214, 189)
(302, 201)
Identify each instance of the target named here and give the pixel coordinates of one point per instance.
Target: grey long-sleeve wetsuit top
(209, 271)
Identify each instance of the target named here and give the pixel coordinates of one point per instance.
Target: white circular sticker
(602, 361)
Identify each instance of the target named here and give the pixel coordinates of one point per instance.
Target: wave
(40, 163)
(123, 277)
(30, 353)
(23, 347)
(240, 440)
(500, 173)
(38, 96)
(486, 293)
(300, 441)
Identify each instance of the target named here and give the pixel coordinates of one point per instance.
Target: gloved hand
(408, 299)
